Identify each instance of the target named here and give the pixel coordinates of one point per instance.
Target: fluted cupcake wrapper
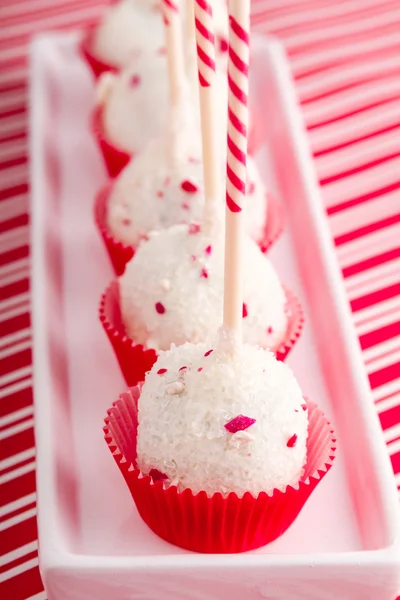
(295, 315)
(118, 252)
(215, 524)
(136, 360)
(114, 159)
(98, 67)
(121, 253)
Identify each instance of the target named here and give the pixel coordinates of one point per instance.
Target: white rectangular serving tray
(93, 545)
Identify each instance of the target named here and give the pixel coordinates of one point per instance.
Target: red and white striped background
(345, 56)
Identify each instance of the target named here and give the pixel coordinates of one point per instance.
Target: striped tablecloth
(345, 57)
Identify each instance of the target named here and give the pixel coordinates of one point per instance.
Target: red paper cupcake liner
(118, 252)
(215, 524)
(295, 314)
(135, 360)
(97, 66)
(114, 159)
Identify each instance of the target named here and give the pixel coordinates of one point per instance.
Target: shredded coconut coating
(183, 435)
(128, 28)
(135, 105)
(172, 290)
(158, 189)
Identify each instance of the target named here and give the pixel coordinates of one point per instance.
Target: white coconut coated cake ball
(129, 27)
(135, 103)
(160, 188)
(172, 291)
(221, 423)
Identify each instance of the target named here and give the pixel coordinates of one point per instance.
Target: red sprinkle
(200, 369)
(185, 206)
(270, 330)
(144, 237)
(126, 221)
(160, 194)
(208, 250)
(193, 258)
(244, 311)
(251, 187)
(209, 352)
(134, 81)
(304, 406)
(167, 181)
(239, 423)
(161, 371)
(292, 441)
(223, 45)
(204, 273)
(183, 368)
(156, 475)
(194, 228)
(160, 308)
(193, 160)
(162, 51)
(189, 187)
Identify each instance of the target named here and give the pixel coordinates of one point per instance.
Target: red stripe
(353, 85)
(203, 81)
(355, 140)
(380, 335)
(233, 207)
(207, 60)
(16, 361)
(357, 233)
(238, 62)
(206, 6)
(19, 561)
(384, 376)
(351, 113)
(359, 169)
(14, 222)
(236, 91)
(374, 261)
(235, 180)
(375, 297)
(387, 189)
(237, 153)
(17, 466)
(206, 33)
(27, 584)
(15, 190)
(17, 488)
(236, 122)
(395, 458)
(16, 401)
(238, 30)
(15, 254)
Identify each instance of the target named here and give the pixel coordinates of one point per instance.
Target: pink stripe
(235, 180)
(237, 92)
(208, 35)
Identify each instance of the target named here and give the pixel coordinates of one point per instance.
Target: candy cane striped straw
(173, 39)
(238, 71)
(209, 127)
